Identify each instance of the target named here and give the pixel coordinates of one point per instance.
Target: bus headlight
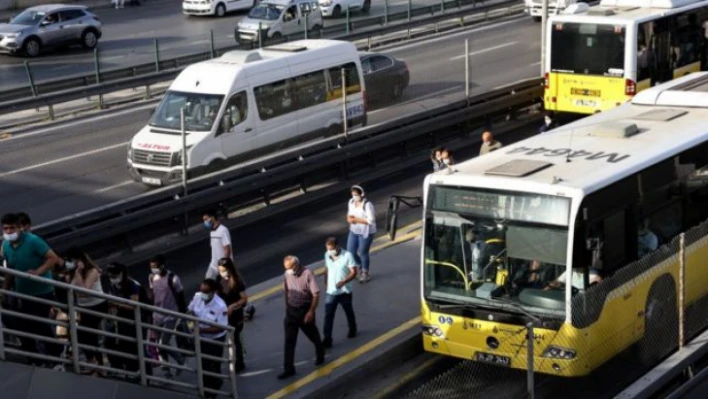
(433, 331)
(555, 352)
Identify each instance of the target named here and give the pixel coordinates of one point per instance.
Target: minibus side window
(351, 76)
(235, 113)
(311, 89)
(275, 99)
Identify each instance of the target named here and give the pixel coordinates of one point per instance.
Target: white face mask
(69, 265)
(155, 271)
(116, 281)
(332, 252)
(446, 161)
(290, 271)
(224, 275)
(548, 121)
(11, 237)
(206, 297)
(356, 198)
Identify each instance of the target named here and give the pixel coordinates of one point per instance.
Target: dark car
(385, 76)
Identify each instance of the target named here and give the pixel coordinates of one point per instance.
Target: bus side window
(614, 242)
(644, 53)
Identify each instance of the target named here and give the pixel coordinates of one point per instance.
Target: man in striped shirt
(301, 297)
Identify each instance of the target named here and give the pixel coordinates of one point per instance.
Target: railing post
(682, 288)
(385, 12)
(467, 69)
(345, 123)
(157, 56)
(231, 350)
(260, 35)
(2, 335)
(73, 335)
(410, 5)
(198, 359)
(137, 311)
(442, 6)
(529, 362)
(97, 65)
(30, 77)
(305, 26)
(211, 43)
(348, 20)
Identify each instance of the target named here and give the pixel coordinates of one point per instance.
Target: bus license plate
(492, 359)
(585, 103)
(152, 181)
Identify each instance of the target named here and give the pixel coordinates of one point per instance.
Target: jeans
(293, 323)
(331, 302)
(359, 247)
(165, 338)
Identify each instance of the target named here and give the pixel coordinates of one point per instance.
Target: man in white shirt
(208, 306)
(220, 242)
(577, 279)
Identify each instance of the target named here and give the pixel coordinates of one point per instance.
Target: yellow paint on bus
(583, 94)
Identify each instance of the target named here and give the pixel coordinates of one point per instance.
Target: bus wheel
(660, 322)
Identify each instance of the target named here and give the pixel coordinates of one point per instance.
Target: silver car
(51, 25)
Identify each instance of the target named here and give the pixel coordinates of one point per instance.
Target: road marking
(347, 358)
(450, 36)
(109, 188)
(319, 271)
(486, 50)
(60, 160)
(537, 63)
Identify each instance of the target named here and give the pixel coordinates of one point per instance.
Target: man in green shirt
(25, 252)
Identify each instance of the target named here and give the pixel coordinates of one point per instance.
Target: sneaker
(367, 277)
(320, 360)
(286, 374)
(362, 277)
(352, 333)
(327, 343)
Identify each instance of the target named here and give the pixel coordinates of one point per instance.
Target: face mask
(154, 271)
(11, 237)
(446, 161)
(208, 224)
(548, 121)
(224, 275)
(69, 265)
(332, 252)
(206, 297)
(357, 198)
(290, 271)
(116, 281)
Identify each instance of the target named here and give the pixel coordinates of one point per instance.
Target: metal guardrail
(62, 90)
(260, 182)
(70, 322)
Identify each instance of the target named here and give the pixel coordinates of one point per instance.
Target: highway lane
(72, 168)
(129, 36)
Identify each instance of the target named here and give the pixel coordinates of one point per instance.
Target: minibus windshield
(200, 111)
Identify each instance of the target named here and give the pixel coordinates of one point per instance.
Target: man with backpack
(167, 293)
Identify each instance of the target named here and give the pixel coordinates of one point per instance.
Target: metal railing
(99, 83)
(70, 358)
(320, 167)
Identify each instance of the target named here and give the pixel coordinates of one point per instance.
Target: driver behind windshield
(530, 276)
(577, 279)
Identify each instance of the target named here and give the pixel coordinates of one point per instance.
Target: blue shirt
(28, 255)
(337, 270)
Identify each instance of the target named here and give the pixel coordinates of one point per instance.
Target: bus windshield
(589, 49)
(493, 248)
(200, 111)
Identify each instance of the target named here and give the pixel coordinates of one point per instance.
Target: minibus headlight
(433, 331)
(555, 352)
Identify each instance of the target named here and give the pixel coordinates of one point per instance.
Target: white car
(215, 7)
(278, 18)
(534, 7)
(338, 8)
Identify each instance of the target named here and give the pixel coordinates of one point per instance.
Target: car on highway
(385, 76)
(52, 25)
(338, 8)
(218, 8)
(278, 18)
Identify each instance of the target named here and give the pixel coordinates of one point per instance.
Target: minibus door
(236, 130)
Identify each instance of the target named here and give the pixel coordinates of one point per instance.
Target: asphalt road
(130, 33)
(74, 167)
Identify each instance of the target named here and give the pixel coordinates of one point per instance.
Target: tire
(32, 47)
(215, 166)
(220, 10)
(316, 30)
(366, 7)
(276, 36)
(337, 12)
(661, 323)
(89, 39)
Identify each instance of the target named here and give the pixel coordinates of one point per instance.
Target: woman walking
(86, 274)
(233, 292)
(362, 227)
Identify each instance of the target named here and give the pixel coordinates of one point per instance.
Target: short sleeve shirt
(28, 255)
(232, 296)
(162, 294)
(214, 311)
(337, 270)
(220, 237)
(365, 212)
(301, 288)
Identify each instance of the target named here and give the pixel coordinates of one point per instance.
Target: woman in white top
(84, 273)
(362, 228)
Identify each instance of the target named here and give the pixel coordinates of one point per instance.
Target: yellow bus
(550, 231)
(599, 57)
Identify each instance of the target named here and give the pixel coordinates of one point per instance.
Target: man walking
(488, 143)
(220, 242)
(25, 252)
(301, 297)
(339, 272)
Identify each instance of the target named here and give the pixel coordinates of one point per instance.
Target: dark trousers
(293, 323)
(331, 302)
(124, 346)
(40, 310)
(90, 338)
(216, 350)
(238, 344)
